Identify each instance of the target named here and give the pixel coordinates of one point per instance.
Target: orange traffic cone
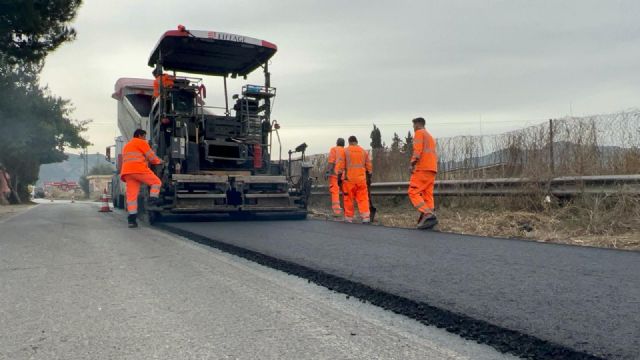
(105, 202)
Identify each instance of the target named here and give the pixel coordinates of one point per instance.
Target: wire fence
(607, 144)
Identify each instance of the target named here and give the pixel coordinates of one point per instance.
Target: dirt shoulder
(543, 226)
(10, 210)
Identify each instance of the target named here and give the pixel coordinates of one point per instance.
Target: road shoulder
(9, 211)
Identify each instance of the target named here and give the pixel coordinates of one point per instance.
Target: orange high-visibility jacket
(424, 151)
(135, 155)
(167, 82)
(336, 154)
(355, 165)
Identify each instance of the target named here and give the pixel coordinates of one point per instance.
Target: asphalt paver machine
(215, 159)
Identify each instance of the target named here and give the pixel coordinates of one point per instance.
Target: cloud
(342, 66)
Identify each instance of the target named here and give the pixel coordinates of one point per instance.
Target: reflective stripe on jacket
(135, 155)
(356, 164)
(336, 154)
(424, 151)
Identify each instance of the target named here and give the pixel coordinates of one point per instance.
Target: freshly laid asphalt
(583, 299)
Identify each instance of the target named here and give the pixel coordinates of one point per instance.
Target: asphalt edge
(520, 239)
(23, 211)
(501, 339)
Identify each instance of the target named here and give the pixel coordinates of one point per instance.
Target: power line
(325, 125)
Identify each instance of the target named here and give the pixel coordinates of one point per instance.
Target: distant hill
(71, 169)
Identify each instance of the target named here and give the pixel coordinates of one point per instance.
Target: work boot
(427, 221)
(366, 221)
(132, 221)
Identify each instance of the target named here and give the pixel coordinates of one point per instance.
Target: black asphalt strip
(502, 339)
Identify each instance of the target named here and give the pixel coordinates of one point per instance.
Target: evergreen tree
(396, 143)
(408, 144)
(36, 125)
(376, 138)
(30, 29)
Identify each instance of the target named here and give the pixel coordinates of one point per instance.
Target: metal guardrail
(565, 186)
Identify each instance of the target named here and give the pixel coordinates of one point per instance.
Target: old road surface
(77, 284)
(534, 300)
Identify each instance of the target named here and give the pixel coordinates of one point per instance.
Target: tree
(102, 169)
(396, 143)
(376, 138)
(30, 29)
(36, 125)
(408, 144)
(36, 129)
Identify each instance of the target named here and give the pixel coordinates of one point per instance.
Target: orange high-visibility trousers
(133, 188)
(334, 189)
(356, 192)
(421, 190)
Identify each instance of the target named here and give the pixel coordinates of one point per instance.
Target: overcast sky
(468, 67)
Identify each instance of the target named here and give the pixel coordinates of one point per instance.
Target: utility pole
(85, 158)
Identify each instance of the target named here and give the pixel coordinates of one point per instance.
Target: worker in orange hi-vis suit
(424, 166)
(354, 169)
(165, 79)
(135, 171)
(336, 154)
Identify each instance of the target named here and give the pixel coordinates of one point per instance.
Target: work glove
(412, 168)
(326, 174)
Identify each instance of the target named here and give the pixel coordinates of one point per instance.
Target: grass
(594, 221)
